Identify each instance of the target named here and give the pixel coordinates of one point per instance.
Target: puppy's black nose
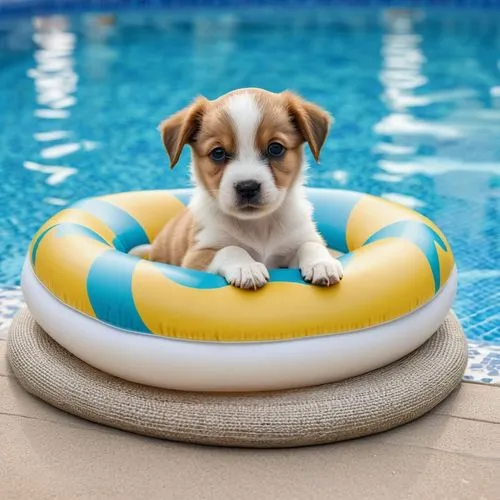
(248, 190)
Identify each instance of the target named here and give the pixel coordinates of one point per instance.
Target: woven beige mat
(367, 404)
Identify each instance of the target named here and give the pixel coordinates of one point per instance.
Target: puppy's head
(247, 146)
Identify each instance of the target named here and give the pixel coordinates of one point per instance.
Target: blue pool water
(415, 94)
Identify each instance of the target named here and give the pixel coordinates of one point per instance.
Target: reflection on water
(469, 129)
(56, 175)
(56, 85)
(415, 95)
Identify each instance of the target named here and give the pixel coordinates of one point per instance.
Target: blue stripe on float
(109, 287)
(190, 277)
(129, 233)
(291, 275)
(421, 235)
(205, 281)
(34, 251)
(332, 209)
(68, 228)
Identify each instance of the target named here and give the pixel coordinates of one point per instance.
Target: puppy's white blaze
(246, 116)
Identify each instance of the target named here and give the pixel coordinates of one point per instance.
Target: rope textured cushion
(367, 404)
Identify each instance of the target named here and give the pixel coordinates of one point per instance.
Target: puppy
(249, 212)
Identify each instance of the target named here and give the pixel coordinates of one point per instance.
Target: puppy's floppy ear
(180, 129)
(311, 121)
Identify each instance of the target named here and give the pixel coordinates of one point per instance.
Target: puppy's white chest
(270, 254)
(271, 247)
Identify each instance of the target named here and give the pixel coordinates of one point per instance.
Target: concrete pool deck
(451, 453)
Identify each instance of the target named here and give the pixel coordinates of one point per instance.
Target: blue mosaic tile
(11, 300)
(484, 363)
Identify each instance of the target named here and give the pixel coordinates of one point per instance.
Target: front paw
(323, 272)
(247, 276)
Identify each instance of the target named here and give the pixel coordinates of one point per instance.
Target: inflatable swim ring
(181, 329)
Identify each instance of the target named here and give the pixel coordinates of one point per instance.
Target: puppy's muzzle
(248, 192)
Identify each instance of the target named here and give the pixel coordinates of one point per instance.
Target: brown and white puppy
(249, 212)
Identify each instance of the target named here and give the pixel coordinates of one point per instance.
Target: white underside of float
(209, 366)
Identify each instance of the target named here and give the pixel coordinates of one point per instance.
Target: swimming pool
(415, 94)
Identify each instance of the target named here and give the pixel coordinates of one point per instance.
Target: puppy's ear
(311, 121)
(180, 129)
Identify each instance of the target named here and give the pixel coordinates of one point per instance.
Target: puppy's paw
(323, 273)
(248, 276)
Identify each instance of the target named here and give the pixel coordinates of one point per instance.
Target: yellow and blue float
(182, 329)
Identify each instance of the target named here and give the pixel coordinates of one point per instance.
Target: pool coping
(483, 366)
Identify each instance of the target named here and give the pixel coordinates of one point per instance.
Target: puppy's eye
(275, 150)
(218, 154)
